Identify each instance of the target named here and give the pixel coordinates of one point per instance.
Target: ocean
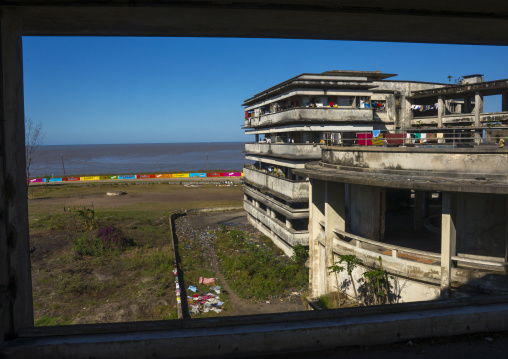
(80, 160)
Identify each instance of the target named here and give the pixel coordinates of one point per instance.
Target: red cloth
(364, 139)
(395, 138)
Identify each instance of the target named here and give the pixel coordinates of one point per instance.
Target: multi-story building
(292, 120)
(429, 203)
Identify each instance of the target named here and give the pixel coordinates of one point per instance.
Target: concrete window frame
(231, 336)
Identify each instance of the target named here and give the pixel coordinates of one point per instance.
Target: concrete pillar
(16, 309)
(256, 203)
(272, 213)
(440, 111)
(245, 198)
(418, 211)
(335, 218)
(368, 207)
(478, 108)
(448, 241)
(406, 113)
(289, 225)
(318, 272)
(504, 102)
(467, 105)
(257, 137)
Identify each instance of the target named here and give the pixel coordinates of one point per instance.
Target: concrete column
(478, 108)
(256, 203)
(257, 137)
(448, 241)
(289, 225)
(504, 102)
(245, 198)
(467, 105)
(440, 111)
(272, 213)
(406, 113)
(316, 214)
(335, 218)
(368, 207)
(16, 309)
(418, 211)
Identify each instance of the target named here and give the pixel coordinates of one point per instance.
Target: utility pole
(63, 166)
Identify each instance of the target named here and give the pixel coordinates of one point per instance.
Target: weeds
(256, 271)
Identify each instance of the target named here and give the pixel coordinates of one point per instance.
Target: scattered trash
(192, 288)
(216, 289)
(267, 302)
(203, 280)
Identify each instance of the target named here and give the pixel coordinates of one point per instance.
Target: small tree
(351, 261)
(377, 284)
(34, 137)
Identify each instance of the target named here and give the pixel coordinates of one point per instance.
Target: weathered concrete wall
(297, 190)
(317, 270)
(367, 205)
(481, 225)
(460, 118)
(467, 162)
(279, 207)
(291, 236)
(302, 151)
(306, 115)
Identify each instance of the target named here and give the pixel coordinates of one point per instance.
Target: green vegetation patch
(255, 270)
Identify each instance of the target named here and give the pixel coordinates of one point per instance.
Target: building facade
(429, 203)
(291, 122)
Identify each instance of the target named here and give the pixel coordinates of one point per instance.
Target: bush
(107, 240)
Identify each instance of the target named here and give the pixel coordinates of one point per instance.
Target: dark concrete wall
(481, 224)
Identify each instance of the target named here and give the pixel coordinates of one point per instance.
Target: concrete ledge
(266, 334)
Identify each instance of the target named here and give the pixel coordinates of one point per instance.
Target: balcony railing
(485, 118)
(318, 114)
(295, 190)
(300, 150)
(291, 236)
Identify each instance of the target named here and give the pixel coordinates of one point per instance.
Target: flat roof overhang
(487, 88)
(453, 22)
(402, 179)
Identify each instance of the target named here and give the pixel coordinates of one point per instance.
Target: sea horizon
(137, 158)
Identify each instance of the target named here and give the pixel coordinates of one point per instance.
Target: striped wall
(127, 177)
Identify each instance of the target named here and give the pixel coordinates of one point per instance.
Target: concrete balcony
(290, 236)
(290, 190)
(467, 118)
(301, 151)
(309, 115)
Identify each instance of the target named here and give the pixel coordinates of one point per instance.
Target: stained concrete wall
(465, 161)
(296, 190)
(306, 115)
(367, 206)
(482, 225)
(302, 151)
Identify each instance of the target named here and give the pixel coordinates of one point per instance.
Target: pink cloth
(207, 280)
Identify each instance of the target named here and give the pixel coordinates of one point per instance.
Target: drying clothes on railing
(394, 138)
(378, 140)
(364, 139)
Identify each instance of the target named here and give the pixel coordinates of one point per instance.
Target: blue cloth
(192, 288)
(376, 133)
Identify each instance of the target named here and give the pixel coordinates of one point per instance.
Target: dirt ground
(211, 221)
(115, 291)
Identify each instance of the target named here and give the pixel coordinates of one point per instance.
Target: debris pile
(204, 302)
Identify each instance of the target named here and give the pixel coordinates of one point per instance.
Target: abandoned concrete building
(427, 201)
(281, 333)
(292, 120)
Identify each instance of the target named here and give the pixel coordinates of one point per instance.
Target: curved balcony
(300, 151)
(290, 236)
(290, 190)
(313, 114)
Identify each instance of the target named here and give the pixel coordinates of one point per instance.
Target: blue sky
(98, 90)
